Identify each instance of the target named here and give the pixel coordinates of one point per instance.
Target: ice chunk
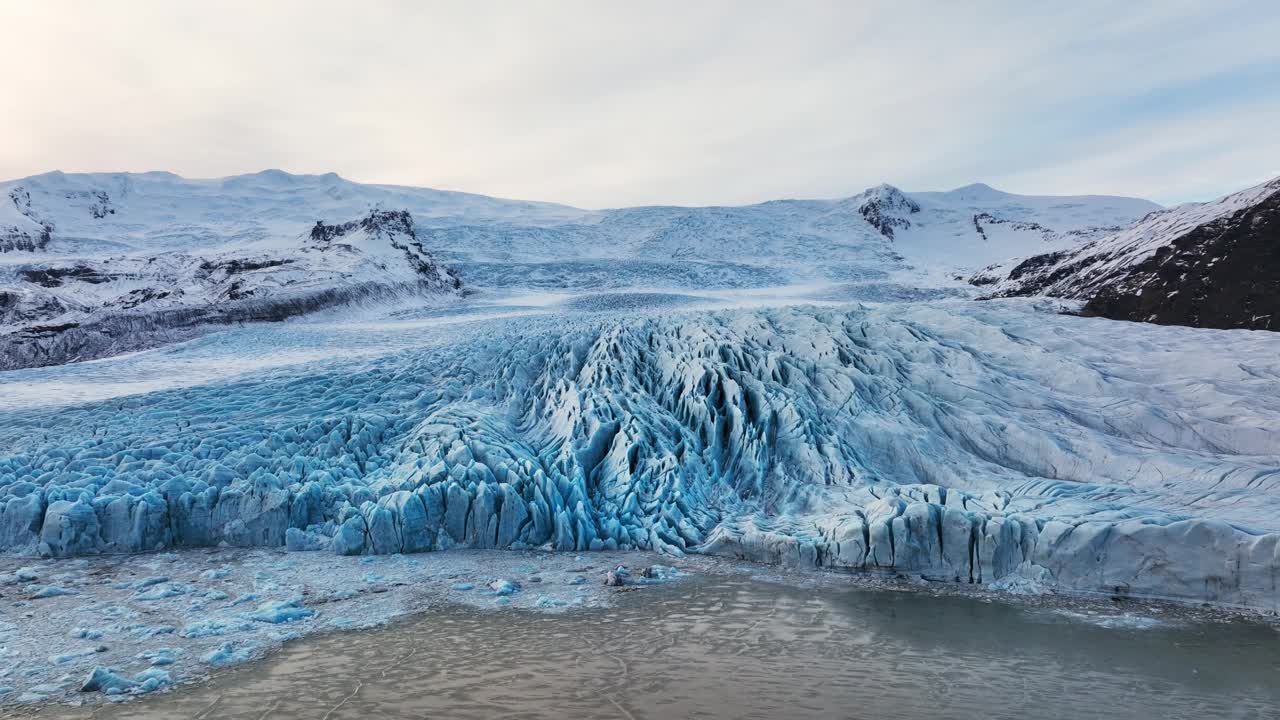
(152, 679)
(162, 592)
(161, 656)
(503, 587)
(280, 611)
(105, 680)
(50, 591)
(229, 653)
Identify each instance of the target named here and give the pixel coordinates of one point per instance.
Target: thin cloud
(607, 104)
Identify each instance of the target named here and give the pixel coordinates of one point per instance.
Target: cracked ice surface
(970, 442)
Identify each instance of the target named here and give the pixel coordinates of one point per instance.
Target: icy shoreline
(98, 623)
(176, 618)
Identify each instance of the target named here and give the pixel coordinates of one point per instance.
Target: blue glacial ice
(962, 442)
(230, 653)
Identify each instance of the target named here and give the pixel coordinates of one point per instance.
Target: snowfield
(802, 383)
(98, 265)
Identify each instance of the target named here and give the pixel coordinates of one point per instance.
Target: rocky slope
(1213, 264)
(65, 309)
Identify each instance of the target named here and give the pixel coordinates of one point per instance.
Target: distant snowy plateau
(801, 382)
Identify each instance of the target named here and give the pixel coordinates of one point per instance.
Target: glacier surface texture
(961, 441)
(808, 383)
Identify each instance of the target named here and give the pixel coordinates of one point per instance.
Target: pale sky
(602, 104)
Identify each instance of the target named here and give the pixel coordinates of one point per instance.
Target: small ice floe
(160, 656)
(660, 573)
(504, 587)
(229, 653)
(243, 599)
(280, 611)
(105, 680)
(50, 591)
(162, 592)
(152, 679)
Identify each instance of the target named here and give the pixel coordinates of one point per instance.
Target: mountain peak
(978, 191)
(885, 207)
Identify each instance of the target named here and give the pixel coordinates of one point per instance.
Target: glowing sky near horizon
(601, 104)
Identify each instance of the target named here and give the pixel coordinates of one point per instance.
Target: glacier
(802, 382)
(418, 396)
(958, 441)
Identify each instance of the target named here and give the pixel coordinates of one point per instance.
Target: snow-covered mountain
(882, 228)
(60, 308)
(1214, 264)
(93, 265)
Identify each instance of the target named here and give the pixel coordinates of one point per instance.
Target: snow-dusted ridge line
(62, 310)
(1212, 264)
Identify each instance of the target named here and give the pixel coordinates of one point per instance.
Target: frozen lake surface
(729, 646)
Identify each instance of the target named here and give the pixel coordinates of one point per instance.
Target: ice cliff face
(1213, 264)
(961, 447)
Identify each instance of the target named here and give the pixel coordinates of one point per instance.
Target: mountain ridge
(1212, 264)
(122, 250)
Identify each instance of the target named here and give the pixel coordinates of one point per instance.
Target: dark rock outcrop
(1215, 265)
(1224, 274)
(143, 301)
(885, 208)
